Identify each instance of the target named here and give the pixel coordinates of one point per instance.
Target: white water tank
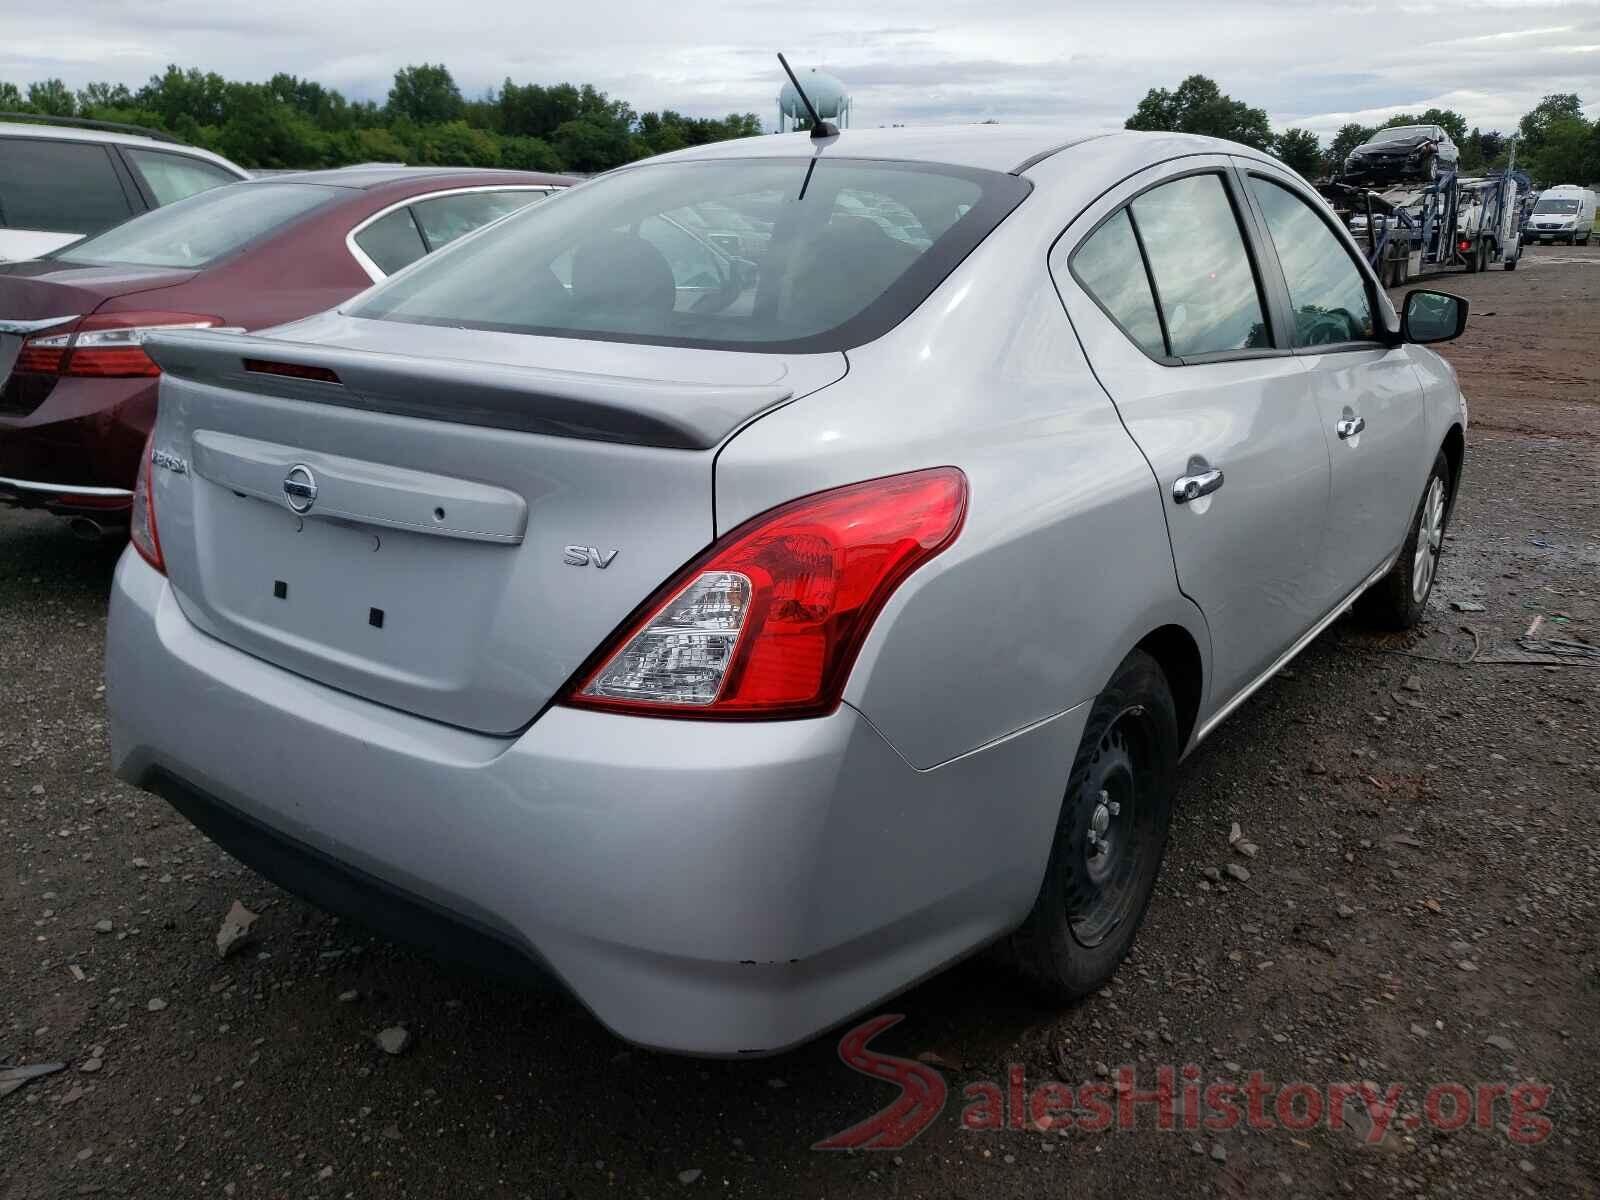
(825, 91)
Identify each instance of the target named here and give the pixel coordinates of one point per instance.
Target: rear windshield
(1556, 206)
(1398, 132)
(773, 254)
(203, 228)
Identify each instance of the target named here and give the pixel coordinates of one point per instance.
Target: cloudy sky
(1316, 65)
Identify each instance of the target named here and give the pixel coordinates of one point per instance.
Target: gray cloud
(1312, 63)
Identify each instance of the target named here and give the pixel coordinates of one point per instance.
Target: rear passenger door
(1166, 296)
(1367, 393)
(54, 192)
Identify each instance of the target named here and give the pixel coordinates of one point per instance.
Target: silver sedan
(761, 576)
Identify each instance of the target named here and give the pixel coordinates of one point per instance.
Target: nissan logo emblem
(300, 488)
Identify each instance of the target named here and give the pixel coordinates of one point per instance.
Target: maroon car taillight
(142, 517)
(108, 346)
(767, 622)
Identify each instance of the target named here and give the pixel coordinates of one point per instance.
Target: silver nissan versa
(758, 577)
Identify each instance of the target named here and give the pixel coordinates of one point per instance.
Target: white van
(1563, 214)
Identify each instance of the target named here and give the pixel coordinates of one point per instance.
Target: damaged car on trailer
(1403, 153)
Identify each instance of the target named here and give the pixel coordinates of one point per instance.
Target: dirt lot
(1422, 911)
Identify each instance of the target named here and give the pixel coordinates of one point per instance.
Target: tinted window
(445, 218)
(392, 242)
(1202, 271)
(171, 177)
(1111, 269)
(788, 254)
(1401, 131)
(59, 187)
(201, 229)
(1326, 289)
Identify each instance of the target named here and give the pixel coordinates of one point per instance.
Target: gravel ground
(1421, 910)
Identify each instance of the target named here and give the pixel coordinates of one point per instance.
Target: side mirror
(1432, 317)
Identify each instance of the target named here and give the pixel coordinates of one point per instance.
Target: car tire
(1120, 789)
(1397, 601)
(1474, 261)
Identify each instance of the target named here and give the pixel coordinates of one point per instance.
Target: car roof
(372, 175)
(70, 133)
(1011, 148)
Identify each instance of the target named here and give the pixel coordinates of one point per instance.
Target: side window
(1111, 269)
(59, 187)
(445, 218)
(173, 176)
(1326, 289)
(1201, 268)
(392, 242)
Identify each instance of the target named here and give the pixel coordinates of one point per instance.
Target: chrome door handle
(1348, 427)
(1191, 487)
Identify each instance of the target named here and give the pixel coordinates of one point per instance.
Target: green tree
(1569, 153)
(186, 100)
(1199, 106)
(529, 154)
(367, 145)
(590, 146)
(53, 98)
(426, 94)
(1536, 123)
(456, 144)
(1300, 151)
(97, 96)
(262, 131)
(292, 122)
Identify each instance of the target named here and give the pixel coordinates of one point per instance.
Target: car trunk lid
(471, 525)
(49, 296)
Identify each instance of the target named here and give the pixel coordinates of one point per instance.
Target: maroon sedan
(77, 392)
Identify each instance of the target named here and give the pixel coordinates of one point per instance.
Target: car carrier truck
(1447, 223)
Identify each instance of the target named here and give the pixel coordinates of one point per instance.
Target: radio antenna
(819, 127)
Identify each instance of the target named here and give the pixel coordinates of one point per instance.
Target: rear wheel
(1398, 599)
(1109, 838)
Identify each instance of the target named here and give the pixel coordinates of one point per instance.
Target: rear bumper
(78, 451)
(701, 887)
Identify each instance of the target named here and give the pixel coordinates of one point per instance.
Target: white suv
(60, 181)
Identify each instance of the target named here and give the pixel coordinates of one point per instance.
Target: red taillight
(108, 346)
(39, 356)
(142, 517)
(768, 622)
(1465, 246)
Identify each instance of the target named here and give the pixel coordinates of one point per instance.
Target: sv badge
(588, 556)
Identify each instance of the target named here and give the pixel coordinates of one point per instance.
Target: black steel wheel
(1110, 837)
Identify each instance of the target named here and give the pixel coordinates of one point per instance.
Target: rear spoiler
(640, 412)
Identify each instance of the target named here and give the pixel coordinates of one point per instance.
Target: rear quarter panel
(1063, 564)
